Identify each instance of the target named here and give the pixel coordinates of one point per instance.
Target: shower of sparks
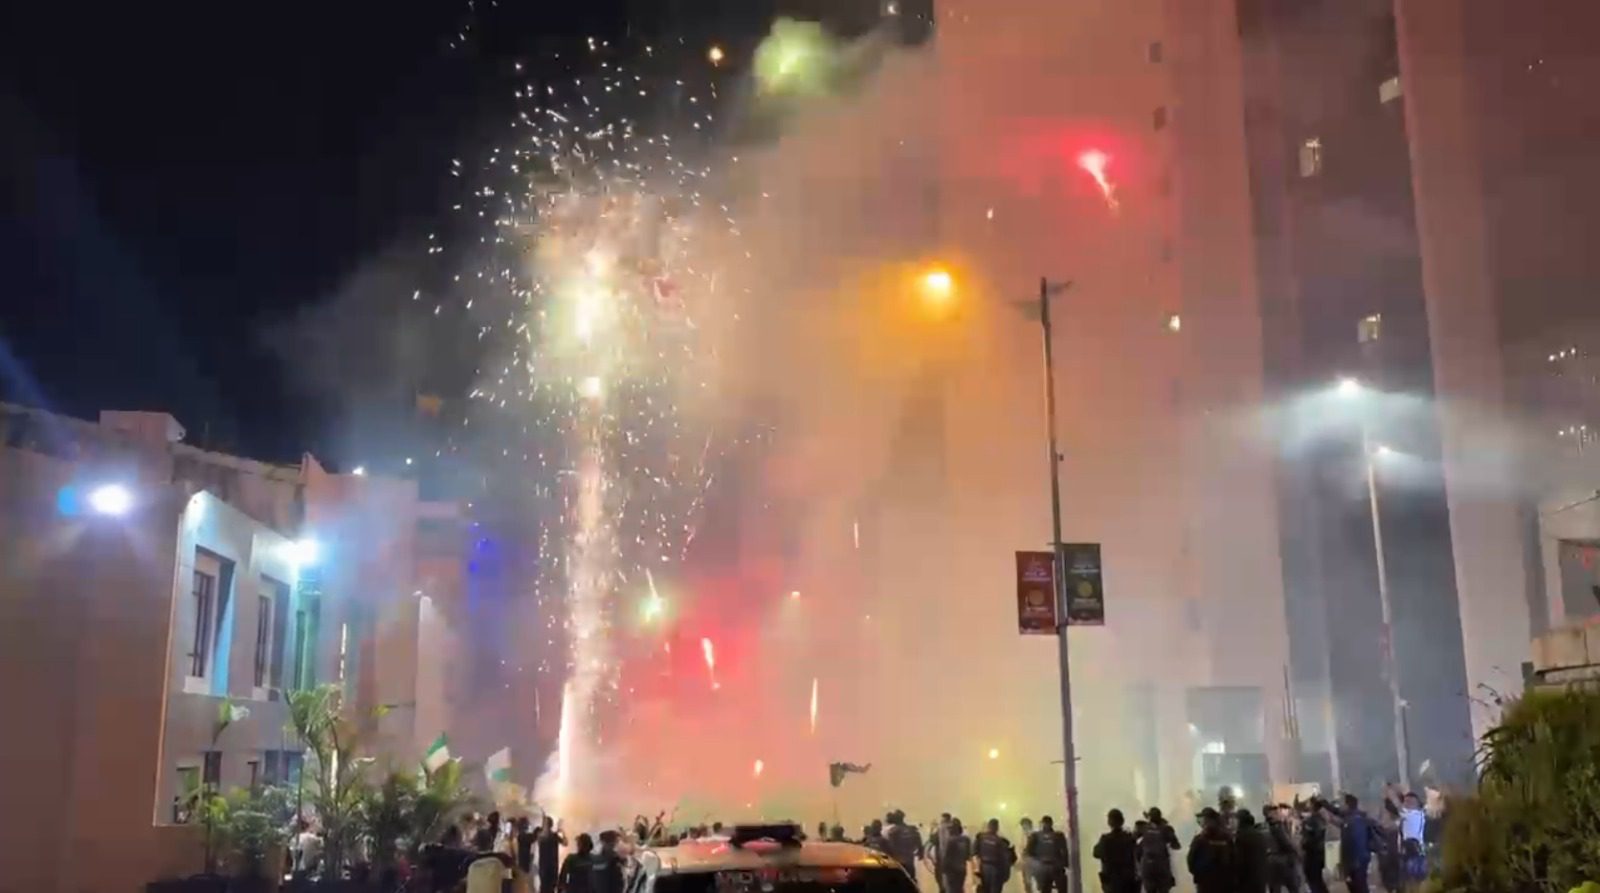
(1095, 163)
(759, 768)
(813, 705)
(582, 290)
(709, 651)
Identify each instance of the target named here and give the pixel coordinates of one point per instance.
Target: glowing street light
(994, 753)
(716, 55)
(1349, 388)
(305, 552)
(936, 288)
(112, 500)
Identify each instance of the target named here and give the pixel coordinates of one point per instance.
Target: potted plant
(256, 833)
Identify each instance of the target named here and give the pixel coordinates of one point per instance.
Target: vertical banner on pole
(1036, 598)
(1086, 594)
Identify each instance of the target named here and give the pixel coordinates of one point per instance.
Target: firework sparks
(584, 307)
(709, 652)
(813, 705)
(1095, 163)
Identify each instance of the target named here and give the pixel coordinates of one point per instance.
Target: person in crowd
(1357, 835)
(1388, 848)
(577, 869)
(995, 856)
(1118, 852)
(1157, 842)
(1251, 847)
(954, 856)
(524, 837)
(904, 842)
(1283, 859)
(1228, 807)
(549, 844)
(605, 867)
(1412, 828)
(307, 847)
(1029, 869)
(1314, 844)
(1047, 847)
(872, 837)
(446, 861)
(937, 838)
(1211, 855)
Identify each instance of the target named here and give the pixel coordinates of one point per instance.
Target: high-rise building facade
(1333, 310)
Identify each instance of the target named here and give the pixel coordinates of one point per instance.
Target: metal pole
(1069, 752)
(1391, 664)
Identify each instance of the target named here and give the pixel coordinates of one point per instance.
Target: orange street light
(937, 288)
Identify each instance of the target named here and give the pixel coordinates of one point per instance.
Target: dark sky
(175, 178)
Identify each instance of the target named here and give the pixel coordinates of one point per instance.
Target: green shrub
(1534, 824)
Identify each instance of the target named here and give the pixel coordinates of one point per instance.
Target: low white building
(142, 583)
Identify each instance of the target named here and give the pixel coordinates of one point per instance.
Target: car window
(789, 880)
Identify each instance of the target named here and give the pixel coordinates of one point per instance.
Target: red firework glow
(1094, 163)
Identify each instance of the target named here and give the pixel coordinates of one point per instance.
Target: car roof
(721, 855)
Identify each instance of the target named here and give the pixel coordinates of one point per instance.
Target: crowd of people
(1284, 851)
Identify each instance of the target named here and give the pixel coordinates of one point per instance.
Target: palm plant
(441, 798)
(1534, 824)
(337, 772)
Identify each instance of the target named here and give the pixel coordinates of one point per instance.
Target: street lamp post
(1069, 752)
(1370, 454)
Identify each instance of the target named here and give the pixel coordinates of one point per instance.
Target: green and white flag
(438, 753)
(498, 766)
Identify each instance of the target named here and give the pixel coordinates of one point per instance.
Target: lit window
(1311, 157)
(1174, 322)
(1370, 328)
(1389, 90)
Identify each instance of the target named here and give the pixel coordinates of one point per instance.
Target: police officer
(1048, 849)
(954, 856)
(1212, 862)
(996, 855)
(1118, 852)
(904, 842)
(1156, 843)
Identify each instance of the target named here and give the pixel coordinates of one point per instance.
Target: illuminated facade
(129, 621)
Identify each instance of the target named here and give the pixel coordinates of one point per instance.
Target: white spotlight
(111, 499)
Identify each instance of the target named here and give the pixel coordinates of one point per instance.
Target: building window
(255, 773)
(1174, 322)
(1156, 53)
(183, 801)
(1389, 90)
(205, 602)
(302, 655)
(1158, 118)
(1311, 157)
(1370, 328)
(211, 774)
(263, 660)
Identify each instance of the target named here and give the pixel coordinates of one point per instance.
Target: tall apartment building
(1393, 191)
(144, 581)
(1167, 460)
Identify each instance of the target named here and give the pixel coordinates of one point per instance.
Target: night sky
(180, 179)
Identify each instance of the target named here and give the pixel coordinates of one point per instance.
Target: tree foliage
(1534, 824)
